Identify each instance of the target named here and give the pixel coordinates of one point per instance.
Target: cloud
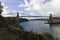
(25, 4)
(21, 5)
(52, 7)
(8, 12)
(44, 7)
(38, 7)
(32, 14)
(4, 8)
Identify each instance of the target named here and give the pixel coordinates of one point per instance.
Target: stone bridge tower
(50, 19)
(17, 19)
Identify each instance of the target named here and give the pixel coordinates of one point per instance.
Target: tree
(1, 8)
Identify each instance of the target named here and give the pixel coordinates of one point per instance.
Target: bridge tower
(17, 19)
(50, 19)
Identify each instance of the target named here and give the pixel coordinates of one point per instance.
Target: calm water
(40, 27)
(36, 26)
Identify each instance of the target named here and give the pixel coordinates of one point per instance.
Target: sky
(31, 7)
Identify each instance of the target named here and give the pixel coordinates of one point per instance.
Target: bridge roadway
(50, 19)
(36, 18)
(33, 16)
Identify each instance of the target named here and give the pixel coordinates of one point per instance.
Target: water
(40, 27)
(56, 28)
(35, 26)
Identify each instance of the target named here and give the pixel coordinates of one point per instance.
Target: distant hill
(23, 19)
(40, 19)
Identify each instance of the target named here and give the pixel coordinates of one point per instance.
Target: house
(54, 20)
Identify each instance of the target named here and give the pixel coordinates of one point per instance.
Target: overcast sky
(31, 7)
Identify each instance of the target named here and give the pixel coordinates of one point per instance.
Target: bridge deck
(33, 16)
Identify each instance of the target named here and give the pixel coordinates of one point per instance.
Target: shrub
(47, 36)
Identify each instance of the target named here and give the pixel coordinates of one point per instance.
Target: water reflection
(56, 28)
(36, 26)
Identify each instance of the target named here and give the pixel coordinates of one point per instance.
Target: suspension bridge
(50, 19)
